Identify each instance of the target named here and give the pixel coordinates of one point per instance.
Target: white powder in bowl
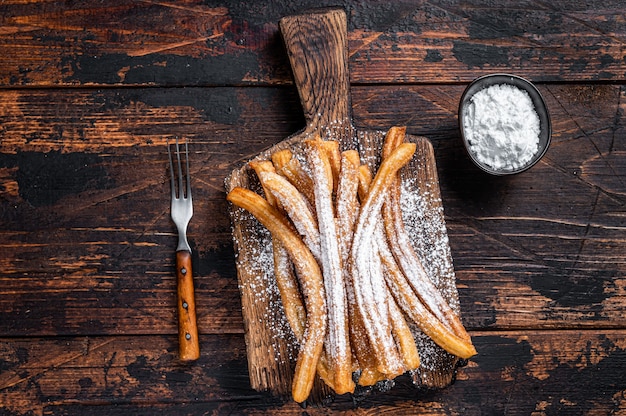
(502, 127)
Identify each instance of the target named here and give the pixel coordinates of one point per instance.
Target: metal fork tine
(169, 156)
(181, 193)
(188, 178)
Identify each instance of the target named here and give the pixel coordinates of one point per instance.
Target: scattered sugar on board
(259, 266)
(432, 357)
(502, 127)
(424, 219)
(339, 130)
(385, 385)
(371, 159)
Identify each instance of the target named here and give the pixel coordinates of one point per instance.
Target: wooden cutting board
(317, 46)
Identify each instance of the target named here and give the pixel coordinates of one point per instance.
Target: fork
(182, 211)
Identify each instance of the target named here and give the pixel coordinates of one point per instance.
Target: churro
(295, 205)
(291, 168)
(353, 287)
(378, 332)
(401, 247)
(286, 280)
(313, 289)
(415, 309)
(347, 203)
(338, 346)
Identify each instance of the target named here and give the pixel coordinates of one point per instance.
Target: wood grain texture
(91, 91)
(78, 250)
(159, 43)
(517, 373)
(85, 205)
(317, 47)
(317, 51)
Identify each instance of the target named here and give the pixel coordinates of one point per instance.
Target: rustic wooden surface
(320, 69)
(90, 92)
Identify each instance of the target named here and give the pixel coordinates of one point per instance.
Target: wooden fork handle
(188, 344)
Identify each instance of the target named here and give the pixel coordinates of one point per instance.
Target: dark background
(89, 93)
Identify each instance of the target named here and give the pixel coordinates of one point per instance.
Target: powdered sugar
(502, 127)
(330, 258)
(423, 216)
(257, 262)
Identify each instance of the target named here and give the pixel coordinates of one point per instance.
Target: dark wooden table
(91, 91)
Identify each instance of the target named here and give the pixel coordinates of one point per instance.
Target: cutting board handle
(317, 46)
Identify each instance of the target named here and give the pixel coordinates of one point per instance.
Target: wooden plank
(86, 236)
(553, 231)
(549, 372)
(86, 278)
(126, 42)
(85, 224)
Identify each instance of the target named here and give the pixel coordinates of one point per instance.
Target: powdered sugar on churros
(359, 269)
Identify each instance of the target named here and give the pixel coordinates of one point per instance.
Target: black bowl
(540, 107)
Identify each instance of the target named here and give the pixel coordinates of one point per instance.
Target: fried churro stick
(401, 247)
(261, 166)
(408, 300)
(377, 327)
(370, 375)
(366, 355)
(404, 337)
(352, 156)
(281, 158)
(296, 207)
(289, 290)
(347, 203)
(365, 180)
(347, 209)
(413, 269)
(286, 280)
(401, 331)
(423, 318)
(394, 137)
(331, 147)
(289, 166)
(363, 352)
(347, 206)
(378, 333)
(400, 328)
(338, 346)
(413, 307)
(378, 288)
(313, 289)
